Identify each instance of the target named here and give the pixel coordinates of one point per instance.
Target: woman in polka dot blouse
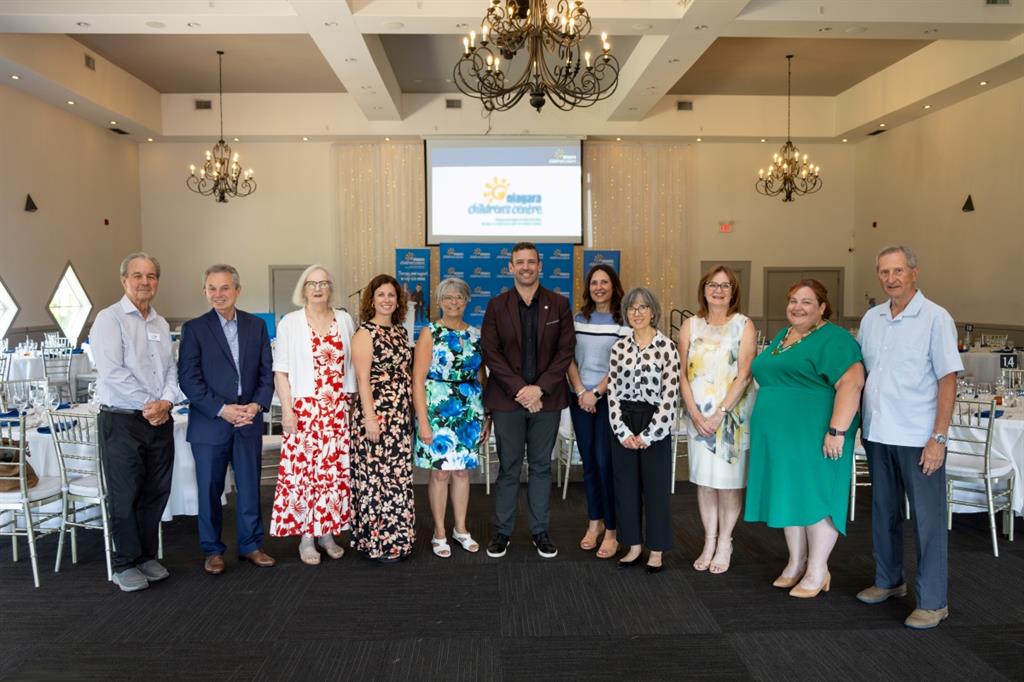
(643, 389)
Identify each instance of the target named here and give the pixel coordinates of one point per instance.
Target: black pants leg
(137, 463)
(643, 480)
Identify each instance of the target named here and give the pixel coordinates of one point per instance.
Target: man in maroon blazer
(528, 341)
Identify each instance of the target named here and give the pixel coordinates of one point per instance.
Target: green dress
(790, 482)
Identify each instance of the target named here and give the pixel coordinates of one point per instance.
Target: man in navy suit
(224, 368)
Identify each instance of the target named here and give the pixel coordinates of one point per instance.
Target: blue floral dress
(455, 406)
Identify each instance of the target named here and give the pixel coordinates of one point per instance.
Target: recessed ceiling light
(113, 123)
(15, 77)
(927, 106)
(881, 125)
(387, 139)
(982, 82)
(330, 24)
(149, 139)
(700, 27)
(618, 139)
(71, 102)
(236, 139)
(699, 139)
(854, 30)
(350, 60)
(156, 24)
(845, 140)
(763, 140)
(642, 27)
(305, 139)
(393, 24)
(193, 24)
(83, 24)
(824, 29)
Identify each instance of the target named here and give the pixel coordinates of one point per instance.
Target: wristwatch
(939, 438)
(835, 432)
(597, 394)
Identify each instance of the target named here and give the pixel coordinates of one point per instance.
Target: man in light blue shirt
(137, 385)
(910, 353)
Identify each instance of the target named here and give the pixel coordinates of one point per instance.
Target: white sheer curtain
(380, 208)
(637, 194)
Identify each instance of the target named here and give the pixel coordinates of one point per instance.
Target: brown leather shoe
(258, 557)
(214, 564)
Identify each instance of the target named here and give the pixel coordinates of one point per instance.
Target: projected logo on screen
(507, 208)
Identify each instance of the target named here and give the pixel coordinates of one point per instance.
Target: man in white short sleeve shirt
(910, 353)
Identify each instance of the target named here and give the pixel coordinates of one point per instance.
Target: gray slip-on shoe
(152, 570)
(131, 580)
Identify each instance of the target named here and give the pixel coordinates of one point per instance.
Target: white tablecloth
(1008, 444)
(184, 499)
(31, 367)
(983, 366)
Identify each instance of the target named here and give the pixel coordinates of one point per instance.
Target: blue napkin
(10, 413)
(45, 430)
(182, 410)
(64, 406)
(77, 351)
(984, 414)
(9, 422)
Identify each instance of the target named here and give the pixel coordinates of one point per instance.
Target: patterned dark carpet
(520, 617)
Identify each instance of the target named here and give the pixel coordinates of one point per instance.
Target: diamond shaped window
(70, 305)
(8, 310)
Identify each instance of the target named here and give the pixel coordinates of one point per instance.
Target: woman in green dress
(802, 432)
(447, 394)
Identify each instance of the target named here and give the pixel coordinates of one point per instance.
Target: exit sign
(725, 228)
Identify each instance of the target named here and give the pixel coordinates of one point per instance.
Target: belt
(118, 410)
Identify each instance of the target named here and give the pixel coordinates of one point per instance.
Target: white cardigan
(293, 351)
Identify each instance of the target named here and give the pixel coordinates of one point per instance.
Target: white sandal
(307, 551)
(466, 541)
(333, 549)
(441, 547)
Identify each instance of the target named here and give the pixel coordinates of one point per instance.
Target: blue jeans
(594, 439)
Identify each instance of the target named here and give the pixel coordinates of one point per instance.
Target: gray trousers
(895, 471)
(517, 432)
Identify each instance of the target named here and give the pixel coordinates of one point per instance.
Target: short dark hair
(820, 293)
(366, 310)
(616, 301)
(523, 246)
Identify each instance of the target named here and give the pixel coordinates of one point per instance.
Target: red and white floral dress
(313, 481)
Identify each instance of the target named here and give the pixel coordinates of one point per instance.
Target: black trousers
(518, 432)
(138, 460)
(643, 484)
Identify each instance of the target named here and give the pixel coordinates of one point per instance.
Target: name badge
(154, 336)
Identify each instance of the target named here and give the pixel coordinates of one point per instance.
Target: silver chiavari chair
(971, 469)
(57, 369)
(22, 502)
(1013, 379)
(76, 438)
(271, 455)
(5, 364)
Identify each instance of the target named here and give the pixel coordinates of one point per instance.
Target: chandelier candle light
(221, 175)
(557, 68)
(788, 173)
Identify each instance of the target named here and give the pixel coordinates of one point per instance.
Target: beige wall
(814, 230)
(913, 182)
(78, 175)
(288, 220)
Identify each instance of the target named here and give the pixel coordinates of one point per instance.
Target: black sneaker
(544, 546)
(498, 546)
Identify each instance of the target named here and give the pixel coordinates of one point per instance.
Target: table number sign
(1008, 361)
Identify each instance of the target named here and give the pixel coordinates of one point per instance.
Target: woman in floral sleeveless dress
(384, 526)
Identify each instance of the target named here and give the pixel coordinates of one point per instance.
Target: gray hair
(134, 256)
(898, 248)
(646, 297)
(299, 295)
(447, 285)
(223, 267)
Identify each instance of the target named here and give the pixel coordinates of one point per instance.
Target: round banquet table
(983, 365)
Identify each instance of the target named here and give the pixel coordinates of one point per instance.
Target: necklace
(781, 348)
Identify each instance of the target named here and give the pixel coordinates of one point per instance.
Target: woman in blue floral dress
(447, 393)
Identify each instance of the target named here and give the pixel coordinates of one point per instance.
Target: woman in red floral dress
(313, 377)
(385, 519)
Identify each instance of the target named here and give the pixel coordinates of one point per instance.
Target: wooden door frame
(836, 298)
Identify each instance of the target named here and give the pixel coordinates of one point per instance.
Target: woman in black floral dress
(384, 523)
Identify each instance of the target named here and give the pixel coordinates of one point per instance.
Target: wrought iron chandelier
(221, 175)
(556, 69)
(788, 173)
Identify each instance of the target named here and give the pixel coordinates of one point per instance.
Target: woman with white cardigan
(313, 377)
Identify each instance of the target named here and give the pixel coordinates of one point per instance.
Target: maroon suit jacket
(501, 342)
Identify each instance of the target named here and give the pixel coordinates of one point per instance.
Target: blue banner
(412, 269)
(592, 257)
(484, 266)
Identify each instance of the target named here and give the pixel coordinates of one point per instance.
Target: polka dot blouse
(647, 375)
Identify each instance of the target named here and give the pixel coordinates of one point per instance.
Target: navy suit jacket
(207, 376)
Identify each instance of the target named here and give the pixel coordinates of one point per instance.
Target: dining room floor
(516, 618)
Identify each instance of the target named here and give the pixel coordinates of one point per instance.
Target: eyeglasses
(318, 285)
(453, 298)
(640, 309)
(721, 286)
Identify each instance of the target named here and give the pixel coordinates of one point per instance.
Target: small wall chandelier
(221, 175)
(554, 69)
(788, 173)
